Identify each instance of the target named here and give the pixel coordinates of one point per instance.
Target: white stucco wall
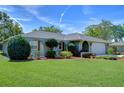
(80, 45)
(98, 48)
(43, 47)
(34, 42)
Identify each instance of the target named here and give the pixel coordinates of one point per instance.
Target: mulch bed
(120, 59)
(114, 58)
(56, 58)
(75, 58)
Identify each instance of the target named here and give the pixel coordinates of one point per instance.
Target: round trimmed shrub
(72, 47)
(51, 54)
(18, 48)
(51, 43)
(112, 50)
(66, 54)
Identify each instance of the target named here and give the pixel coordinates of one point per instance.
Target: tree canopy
(118, 33)
(106, 30)
(8, 27)
(49, 29)
(51, 43)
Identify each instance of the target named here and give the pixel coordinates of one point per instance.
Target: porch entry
(61, 45)
(85, 46)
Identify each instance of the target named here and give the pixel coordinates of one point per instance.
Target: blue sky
(69, 18)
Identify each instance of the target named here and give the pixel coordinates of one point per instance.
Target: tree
(34, 30)
(51, 43)
(48, 29)
(94, 31)
(118, 33)
(17, 29)
(106, 29)
(8, 27)
(102, 30)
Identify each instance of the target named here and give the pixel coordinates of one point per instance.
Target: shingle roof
(60, 36)
(117, 44)
(77, 36)
(44, 34)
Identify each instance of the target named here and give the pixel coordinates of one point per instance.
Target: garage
(98, 48)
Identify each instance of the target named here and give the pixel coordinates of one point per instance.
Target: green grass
(78, 72)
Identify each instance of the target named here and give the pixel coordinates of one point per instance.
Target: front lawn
(73, 72)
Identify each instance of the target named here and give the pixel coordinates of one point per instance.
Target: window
(33, 45)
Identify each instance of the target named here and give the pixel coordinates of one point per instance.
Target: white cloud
(33, 6)
(93, 18)
(23, 19)
(63, 13)
(16, 21)
(6, 8)
(116, 22)
(87, 10)
(66, 27)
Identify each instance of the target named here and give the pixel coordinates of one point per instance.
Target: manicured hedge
(51, 54)
(72, 47)
(66, 54)
(51, 43)
(18, 48)
(110, 50)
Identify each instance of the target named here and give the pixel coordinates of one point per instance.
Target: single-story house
(37, 41)
(119, 46)
(84, 43)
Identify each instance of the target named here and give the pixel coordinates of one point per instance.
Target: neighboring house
(84, 43)
(118, 45)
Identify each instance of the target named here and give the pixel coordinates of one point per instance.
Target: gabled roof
(45, 35)
(117, 44)
(60, 36)
(77, 36)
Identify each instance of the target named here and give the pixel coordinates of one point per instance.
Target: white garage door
(98, 48)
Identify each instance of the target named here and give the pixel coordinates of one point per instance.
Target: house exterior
(84, 43)
(119, 46)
